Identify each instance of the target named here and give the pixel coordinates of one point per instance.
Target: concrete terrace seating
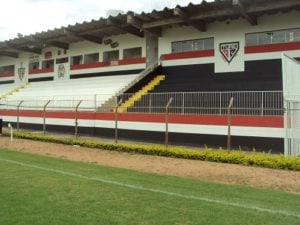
(5, 88)
(65, 95)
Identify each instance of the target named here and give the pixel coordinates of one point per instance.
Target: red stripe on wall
(273, 47)
(132, 61)
(7, 74)
(44, 70)
(185, 55)
(87, 66)
(121, 62)
(250, 121)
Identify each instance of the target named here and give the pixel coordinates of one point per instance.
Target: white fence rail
(262, 103)
(213, 103)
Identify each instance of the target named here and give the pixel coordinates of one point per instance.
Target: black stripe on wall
(40, 79)
(111, 73)
(7, 82)
(259, 75)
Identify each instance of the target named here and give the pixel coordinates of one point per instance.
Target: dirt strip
(217, 172)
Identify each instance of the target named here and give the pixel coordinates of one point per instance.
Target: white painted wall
(124, 40)
(229, 31)
(79, 48)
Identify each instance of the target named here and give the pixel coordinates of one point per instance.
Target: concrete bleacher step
(139, 94)
(65, 94)
(11, 92)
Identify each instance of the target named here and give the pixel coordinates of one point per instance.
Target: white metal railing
(245, 102)
(262, 103)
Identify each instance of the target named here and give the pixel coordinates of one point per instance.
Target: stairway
(13, 91)
(110, 104)
(138, 95)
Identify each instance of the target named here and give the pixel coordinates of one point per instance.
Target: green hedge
(234, 157)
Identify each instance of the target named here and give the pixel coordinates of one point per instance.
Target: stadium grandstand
(198, 56)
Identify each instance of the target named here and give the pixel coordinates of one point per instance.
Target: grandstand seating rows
(5, 88)
(98, 94)
(66, 94)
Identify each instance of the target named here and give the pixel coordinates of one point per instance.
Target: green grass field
(42, 190)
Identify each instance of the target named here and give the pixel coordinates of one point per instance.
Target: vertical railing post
(18, 115)
(287, 128)
(262, 103)
(167, 122)
(220, 103)
(95, 102)
(116, 119)
(76, 119)
(150, 103)
(44, 117)
(183, 103)
(11, 132)
(229, 123)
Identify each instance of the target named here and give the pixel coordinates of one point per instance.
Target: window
(111, 56)
(91, 58)
(265, 38)
(193, 45)
(76, 60)
(62, 60)
(279, 37)
(47, 64)
(130, 53)
(273, 37)
(252, 39)
(34, 66)
(7, 69)
(294, 35)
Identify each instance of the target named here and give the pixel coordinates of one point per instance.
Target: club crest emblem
(21, 71)
(61, 71)
(229, 50)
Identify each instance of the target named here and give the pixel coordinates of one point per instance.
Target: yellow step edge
(139, 94)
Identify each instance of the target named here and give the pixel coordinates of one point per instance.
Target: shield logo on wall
(61, 71)
(229, 50)
(21, 72)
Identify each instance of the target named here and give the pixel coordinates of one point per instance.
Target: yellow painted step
(139, 94)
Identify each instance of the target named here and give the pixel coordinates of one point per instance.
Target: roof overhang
(197, 16)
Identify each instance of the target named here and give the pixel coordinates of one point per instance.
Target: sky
(31, 16)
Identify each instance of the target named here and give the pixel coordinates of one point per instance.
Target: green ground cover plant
(266, 160)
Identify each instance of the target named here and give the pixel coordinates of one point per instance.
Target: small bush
(266, 160)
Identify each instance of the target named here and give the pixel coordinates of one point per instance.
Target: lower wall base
(276, 145)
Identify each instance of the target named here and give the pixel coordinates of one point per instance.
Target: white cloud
(31, 16)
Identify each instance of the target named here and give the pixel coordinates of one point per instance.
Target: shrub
(266, 160)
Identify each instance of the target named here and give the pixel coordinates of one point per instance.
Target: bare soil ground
(216, 172)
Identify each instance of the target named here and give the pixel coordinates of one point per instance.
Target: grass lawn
(42, 190)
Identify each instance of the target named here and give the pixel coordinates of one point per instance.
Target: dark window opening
(62, 60)
(7, 69)
(111, 56)
(48, 64)
(91, 58)
(193, 45)
(273, 37)
(34, 66)
(132, 53)
(76, 60)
